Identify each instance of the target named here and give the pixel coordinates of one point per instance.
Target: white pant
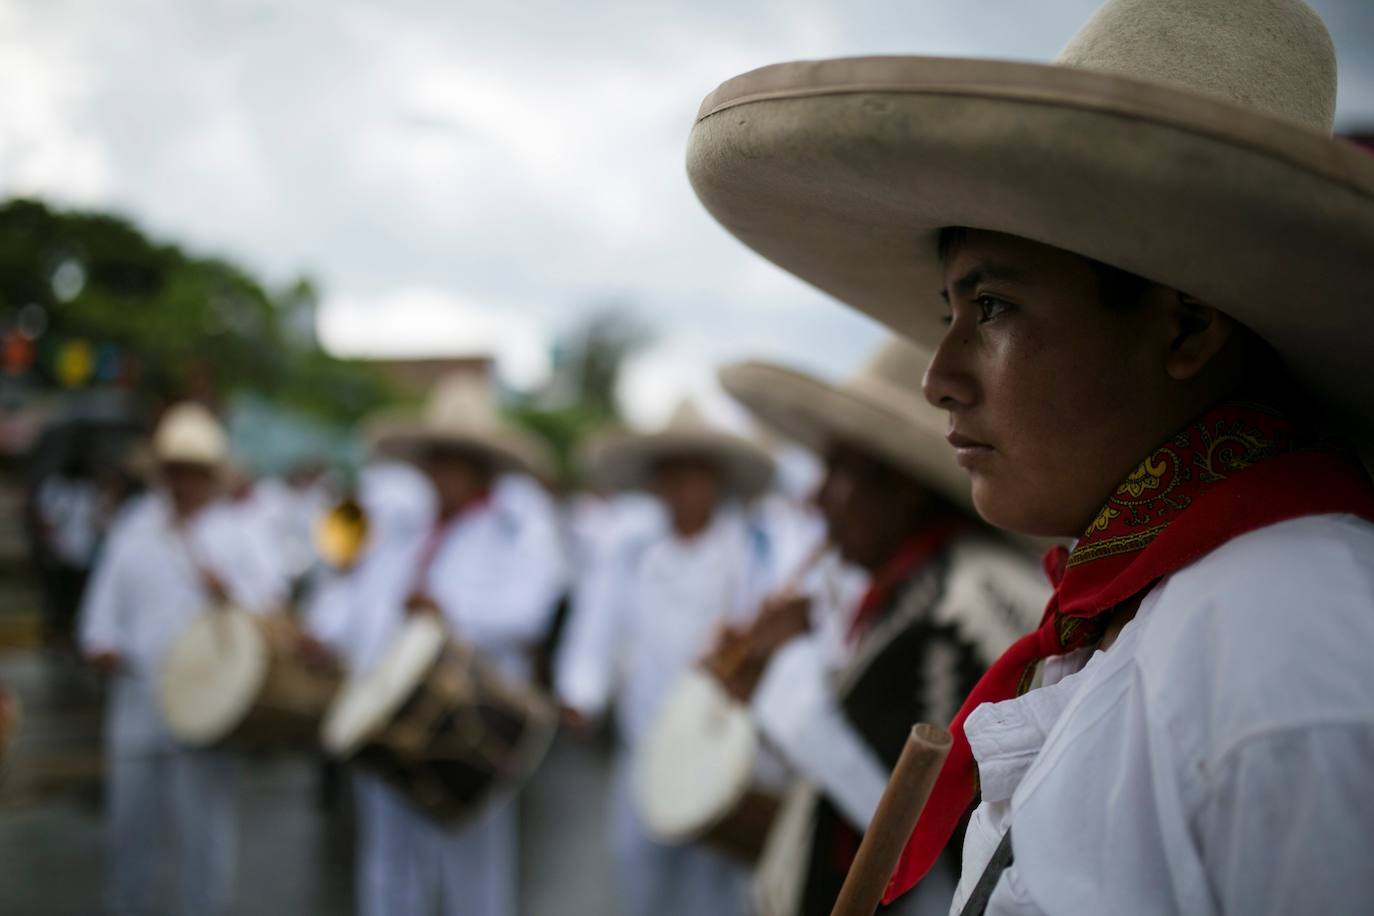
(195, 794)
(410, 866)
(662, 880)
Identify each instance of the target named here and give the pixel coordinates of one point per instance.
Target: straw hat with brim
(879, 411)
(189, 433)
(1188, 141)
(459, 414)
(627, 461)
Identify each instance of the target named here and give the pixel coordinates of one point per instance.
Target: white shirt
(496, 574)
(146, 589)
(990, 592)
(288, 515)
(1216, 759)
(70, 507)
(652, 609)
(399, 503)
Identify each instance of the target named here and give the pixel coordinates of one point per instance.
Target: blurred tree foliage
(580, 396)
(196, 326)
(588, 361)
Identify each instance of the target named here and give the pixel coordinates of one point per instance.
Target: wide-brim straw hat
(460, 413)
(189, 433)
(626, 461)
(880, 411)
(1188, 141)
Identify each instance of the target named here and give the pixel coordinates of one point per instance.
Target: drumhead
(697, 760)
(212, 675)
(368, 702)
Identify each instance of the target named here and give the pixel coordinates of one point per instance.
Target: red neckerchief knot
(1238, 468)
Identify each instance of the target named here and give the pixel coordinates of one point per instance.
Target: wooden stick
(898, 810)
(733, 658)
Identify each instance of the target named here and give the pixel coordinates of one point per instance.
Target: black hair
(1119, 289)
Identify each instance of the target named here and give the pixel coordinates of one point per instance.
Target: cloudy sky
(464, 176)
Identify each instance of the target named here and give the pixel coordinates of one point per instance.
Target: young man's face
(869, 507)
(191, 486)
(1053, 395)
(459, 479)
(690, 489)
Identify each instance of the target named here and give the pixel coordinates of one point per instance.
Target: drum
(437, 722)
(700, 774)
(244, 680)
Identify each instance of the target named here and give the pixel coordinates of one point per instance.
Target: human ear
(1199, 333)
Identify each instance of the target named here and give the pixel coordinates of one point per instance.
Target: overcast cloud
(462, 177)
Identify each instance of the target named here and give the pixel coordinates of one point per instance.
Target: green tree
(195, 325)
(580, 395)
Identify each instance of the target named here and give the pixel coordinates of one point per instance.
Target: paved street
(295, 857)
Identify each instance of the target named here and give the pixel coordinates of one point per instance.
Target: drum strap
(977, 903)
(202, 570)
(427, 554)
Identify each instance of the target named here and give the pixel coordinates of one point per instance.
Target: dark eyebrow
(965, 285)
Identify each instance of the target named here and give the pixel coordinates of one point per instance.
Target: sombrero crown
(879, 410)
(460, 412)
(1187, 141)
(189, 433)
(627, 461)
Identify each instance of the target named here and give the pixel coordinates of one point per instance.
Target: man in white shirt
(68, 510)
(647, 611)
(1155, 263)
(946, 597)
(178, 554)
(488, 561)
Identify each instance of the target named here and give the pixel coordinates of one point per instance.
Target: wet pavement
(295, 852)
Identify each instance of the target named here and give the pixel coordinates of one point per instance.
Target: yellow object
(75, 363)
(342, 534)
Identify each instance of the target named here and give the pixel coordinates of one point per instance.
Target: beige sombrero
(189, 433)
(625, 461)
(460, 412)
(880, 410)
(1188, 141)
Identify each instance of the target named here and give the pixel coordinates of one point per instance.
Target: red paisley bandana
(1239, 468)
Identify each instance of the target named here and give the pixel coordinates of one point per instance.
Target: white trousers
(177, 807)
(661, 880)
(410, 866)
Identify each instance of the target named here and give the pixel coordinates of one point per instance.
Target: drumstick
(903, 799)
(737, 654)
(794, 581)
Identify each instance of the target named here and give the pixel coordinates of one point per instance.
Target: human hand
(106, 661)
(422, 603)
(218, 589)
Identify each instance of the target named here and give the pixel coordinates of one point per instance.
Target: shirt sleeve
(1287, 825)
(797, 710)
(328, 610)
(101, 627)
(256, 579)
(585, 667)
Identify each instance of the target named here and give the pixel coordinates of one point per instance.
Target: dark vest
(909, 667)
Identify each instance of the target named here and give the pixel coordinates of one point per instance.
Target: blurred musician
(945, 597)
(646, 611)
(174, 555)
(472, 543)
